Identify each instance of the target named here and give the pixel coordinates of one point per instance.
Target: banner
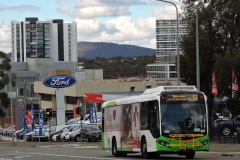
(234, 84)
(95, 111)
(32, 117)
(41, 121)
(25, 125)
(74, 111)
(214, 85)
(91, 119)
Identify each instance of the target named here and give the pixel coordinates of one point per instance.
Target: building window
(71, 100)
(46, 97)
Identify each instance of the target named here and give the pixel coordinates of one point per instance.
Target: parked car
(72, 121)
(86, 119)
(21, 133)
(1, 131)
(73, 128)
(34, 135)
(56, 137)
(226, 127)
(90, 132)
(55, 130)
(238, 134)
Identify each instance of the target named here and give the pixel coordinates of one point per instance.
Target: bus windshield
(183, 118)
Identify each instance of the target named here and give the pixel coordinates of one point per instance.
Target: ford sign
(59, 81)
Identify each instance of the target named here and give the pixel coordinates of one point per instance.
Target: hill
(91, 50)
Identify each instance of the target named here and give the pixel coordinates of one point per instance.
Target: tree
(4, 80)
(219, 36)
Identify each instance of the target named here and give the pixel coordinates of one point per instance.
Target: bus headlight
(205, 142)
(163, 143)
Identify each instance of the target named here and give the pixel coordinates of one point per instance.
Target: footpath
(224, 149)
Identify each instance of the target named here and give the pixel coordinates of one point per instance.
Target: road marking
(70, 156)
(87, 147)
(25, 156)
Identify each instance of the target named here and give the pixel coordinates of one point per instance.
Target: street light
(10, 88)
(198, 4)
(178, 61)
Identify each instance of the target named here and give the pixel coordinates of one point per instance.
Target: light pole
(178, 58)
(10, 87)
(197, 4)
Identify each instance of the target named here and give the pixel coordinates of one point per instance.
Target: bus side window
(103, 119)
(144, 116)
(154, 118)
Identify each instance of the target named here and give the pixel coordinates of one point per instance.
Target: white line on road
(25, 156)
(70, 156)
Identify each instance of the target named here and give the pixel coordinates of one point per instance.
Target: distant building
(166, 38)
(166, 48)
(43, 39)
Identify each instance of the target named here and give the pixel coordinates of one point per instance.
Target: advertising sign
(59, 81)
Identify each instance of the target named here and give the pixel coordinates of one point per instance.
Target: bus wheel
(115, 153)
(190, 155)
(144, 149)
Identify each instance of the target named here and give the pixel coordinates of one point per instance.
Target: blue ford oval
(59, 81)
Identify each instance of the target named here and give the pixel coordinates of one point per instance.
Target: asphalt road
(92, 151)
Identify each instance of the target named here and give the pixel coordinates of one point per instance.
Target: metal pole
(197, 51)
(11, 107)
(81, 119)
(49, 133)
(178, 58)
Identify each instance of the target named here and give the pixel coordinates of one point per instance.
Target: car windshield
(183, 117)
(92, 128)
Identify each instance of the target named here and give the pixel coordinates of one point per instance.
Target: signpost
(59, 82)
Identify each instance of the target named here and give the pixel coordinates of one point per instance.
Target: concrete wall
(41, 66)
(19, 66)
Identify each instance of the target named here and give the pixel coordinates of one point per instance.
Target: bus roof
(148, 94)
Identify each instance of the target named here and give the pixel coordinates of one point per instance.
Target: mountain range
(91, 50)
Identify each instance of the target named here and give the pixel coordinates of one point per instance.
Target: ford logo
(59, 81)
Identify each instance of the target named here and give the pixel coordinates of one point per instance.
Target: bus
(162, 120)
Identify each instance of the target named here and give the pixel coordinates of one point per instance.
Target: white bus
(162, 120)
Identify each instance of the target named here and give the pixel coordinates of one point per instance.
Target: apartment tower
(44, 39)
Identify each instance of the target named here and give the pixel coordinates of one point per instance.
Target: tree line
(119, 67)
(219, 45)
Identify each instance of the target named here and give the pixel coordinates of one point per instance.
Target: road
(92, 151)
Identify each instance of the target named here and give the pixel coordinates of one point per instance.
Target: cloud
(64, 9)
(5, 37)
(100, 11)
(168, 12)
(88, 9)
(22, 8)
(123, 30)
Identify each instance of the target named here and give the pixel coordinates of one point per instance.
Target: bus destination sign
(182, 97)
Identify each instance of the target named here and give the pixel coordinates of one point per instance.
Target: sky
(117, 21)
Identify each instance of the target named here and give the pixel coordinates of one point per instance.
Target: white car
(55, 137)
(73, 128)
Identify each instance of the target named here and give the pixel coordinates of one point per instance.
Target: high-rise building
(166, 38)
(166, 49)
(44, 39)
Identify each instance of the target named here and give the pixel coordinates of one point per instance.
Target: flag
(41, 121)
(95, 111)
(28, 117)
(25, 125)
(234, 84)
(214, 85)
(91, 119)
(32, 117)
